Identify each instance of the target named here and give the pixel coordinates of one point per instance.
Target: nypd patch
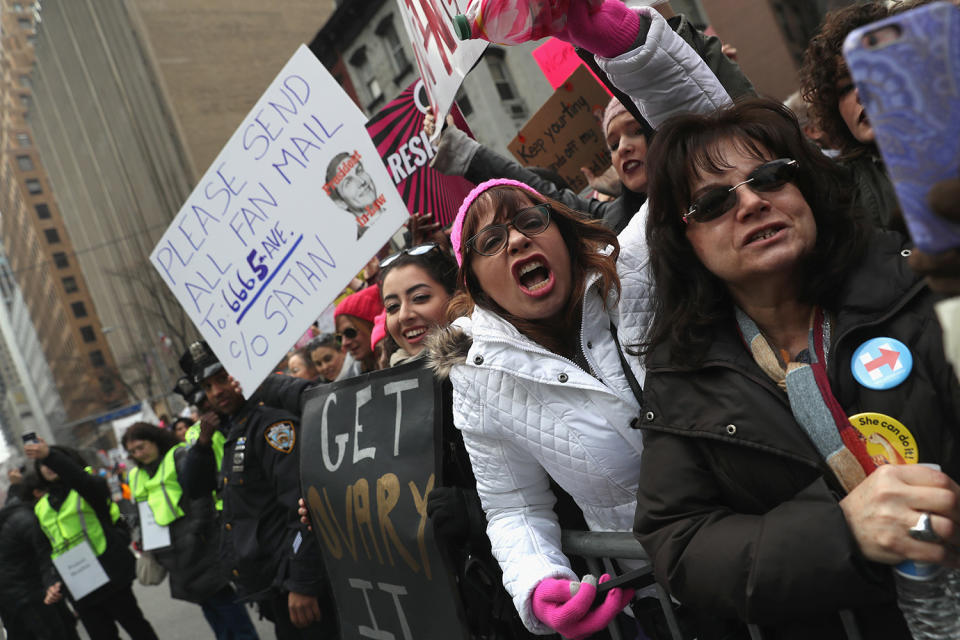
(281, 436)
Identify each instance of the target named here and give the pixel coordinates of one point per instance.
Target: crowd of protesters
(676, 358)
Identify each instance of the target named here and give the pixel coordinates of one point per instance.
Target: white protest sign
(442, 58)
(154, 535)
(80, 570)
(293, 207)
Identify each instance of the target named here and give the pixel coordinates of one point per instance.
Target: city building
(132, 101)
(366, 47)
(41, 250)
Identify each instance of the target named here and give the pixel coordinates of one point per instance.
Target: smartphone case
(910, 89)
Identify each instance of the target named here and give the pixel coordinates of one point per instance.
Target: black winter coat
(23, 557)
(736, 507)
(191, 559)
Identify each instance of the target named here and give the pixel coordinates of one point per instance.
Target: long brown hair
(584, 239)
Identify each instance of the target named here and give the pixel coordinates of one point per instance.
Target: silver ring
(923, 530)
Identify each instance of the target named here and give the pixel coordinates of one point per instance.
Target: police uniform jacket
(263, 547)
(737, 509)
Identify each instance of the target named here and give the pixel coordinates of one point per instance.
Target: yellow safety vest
(162, 491)
(74, 522)
(217, 442)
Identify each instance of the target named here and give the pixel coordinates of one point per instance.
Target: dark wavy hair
(164, 439)
(690, 302)
(823, 65)
(438, 264)
(584, 239)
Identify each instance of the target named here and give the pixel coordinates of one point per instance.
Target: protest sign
(558, 60)
(368, 460)
(397, 130)
(565, 134)
(291, 209)
(442, 58)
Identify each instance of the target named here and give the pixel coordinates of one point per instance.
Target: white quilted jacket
(527, 413)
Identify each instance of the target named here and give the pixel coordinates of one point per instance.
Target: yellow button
(236, 573)
(228, 526)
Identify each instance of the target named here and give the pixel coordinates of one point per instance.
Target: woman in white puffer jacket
(540, 388)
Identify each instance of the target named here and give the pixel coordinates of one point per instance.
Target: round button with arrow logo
(881, 363)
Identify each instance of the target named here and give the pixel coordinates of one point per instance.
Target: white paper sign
(442, 58)
(80, 570)
(294, 206)
(154, 535)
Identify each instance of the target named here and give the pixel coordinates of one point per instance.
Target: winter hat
(364, 304)
(379, 329)
(456, 230)
(614, 108)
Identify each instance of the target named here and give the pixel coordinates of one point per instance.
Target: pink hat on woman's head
(614, 108)
(456, 229)
(379, 329)
(364, 304)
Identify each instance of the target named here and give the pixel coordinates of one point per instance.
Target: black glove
(447, 509)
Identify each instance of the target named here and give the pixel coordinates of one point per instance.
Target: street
(176, 619)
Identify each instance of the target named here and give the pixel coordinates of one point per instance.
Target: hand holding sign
(262, 246)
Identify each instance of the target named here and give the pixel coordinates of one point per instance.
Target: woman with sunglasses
(354, 318)
(541, 390)
(793, 361)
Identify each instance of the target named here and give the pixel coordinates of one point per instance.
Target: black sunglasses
(769, 176)
(418, 250)
(492, 239)
(349, 333)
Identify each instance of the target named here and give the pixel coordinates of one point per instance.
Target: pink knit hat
(614, 108)
(379, 329)
(456, 230)
(364, 304)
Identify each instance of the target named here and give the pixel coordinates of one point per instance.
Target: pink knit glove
(564, 605)
(606, 31)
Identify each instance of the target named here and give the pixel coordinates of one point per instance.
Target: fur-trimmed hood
(447, 347)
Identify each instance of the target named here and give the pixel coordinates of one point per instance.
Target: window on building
(463, 101)
(25, 100)
(107, 385)
(395, 50)
(96, 358)
(23, 139)
(87, 334)
(17, 7)
(60, 260)
(79, 310)
(25, 163)
(25, 23)
(501, 75)
(374, 88)
(70, 284)
(26, 81)
(53, 237)
(43, 211)
(33, 186)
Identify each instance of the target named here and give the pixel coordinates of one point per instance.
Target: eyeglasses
(769, 176)
(349, 333)
(492, 239)
(418, 250)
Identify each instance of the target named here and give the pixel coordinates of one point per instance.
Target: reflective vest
(162, 491)
(217, 442)
(74, 522)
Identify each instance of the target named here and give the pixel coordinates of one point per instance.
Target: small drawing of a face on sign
(352, 188)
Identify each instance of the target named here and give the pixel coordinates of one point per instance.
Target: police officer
(267, 552)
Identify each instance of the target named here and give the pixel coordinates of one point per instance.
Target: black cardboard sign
(368, 461)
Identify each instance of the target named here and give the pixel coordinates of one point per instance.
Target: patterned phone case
(910, 89)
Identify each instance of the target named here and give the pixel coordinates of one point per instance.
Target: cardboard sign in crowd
(293, 207)
(565, 133)
(368, 460)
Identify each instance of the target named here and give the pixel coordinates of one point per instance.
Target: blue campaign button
(881, 363)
